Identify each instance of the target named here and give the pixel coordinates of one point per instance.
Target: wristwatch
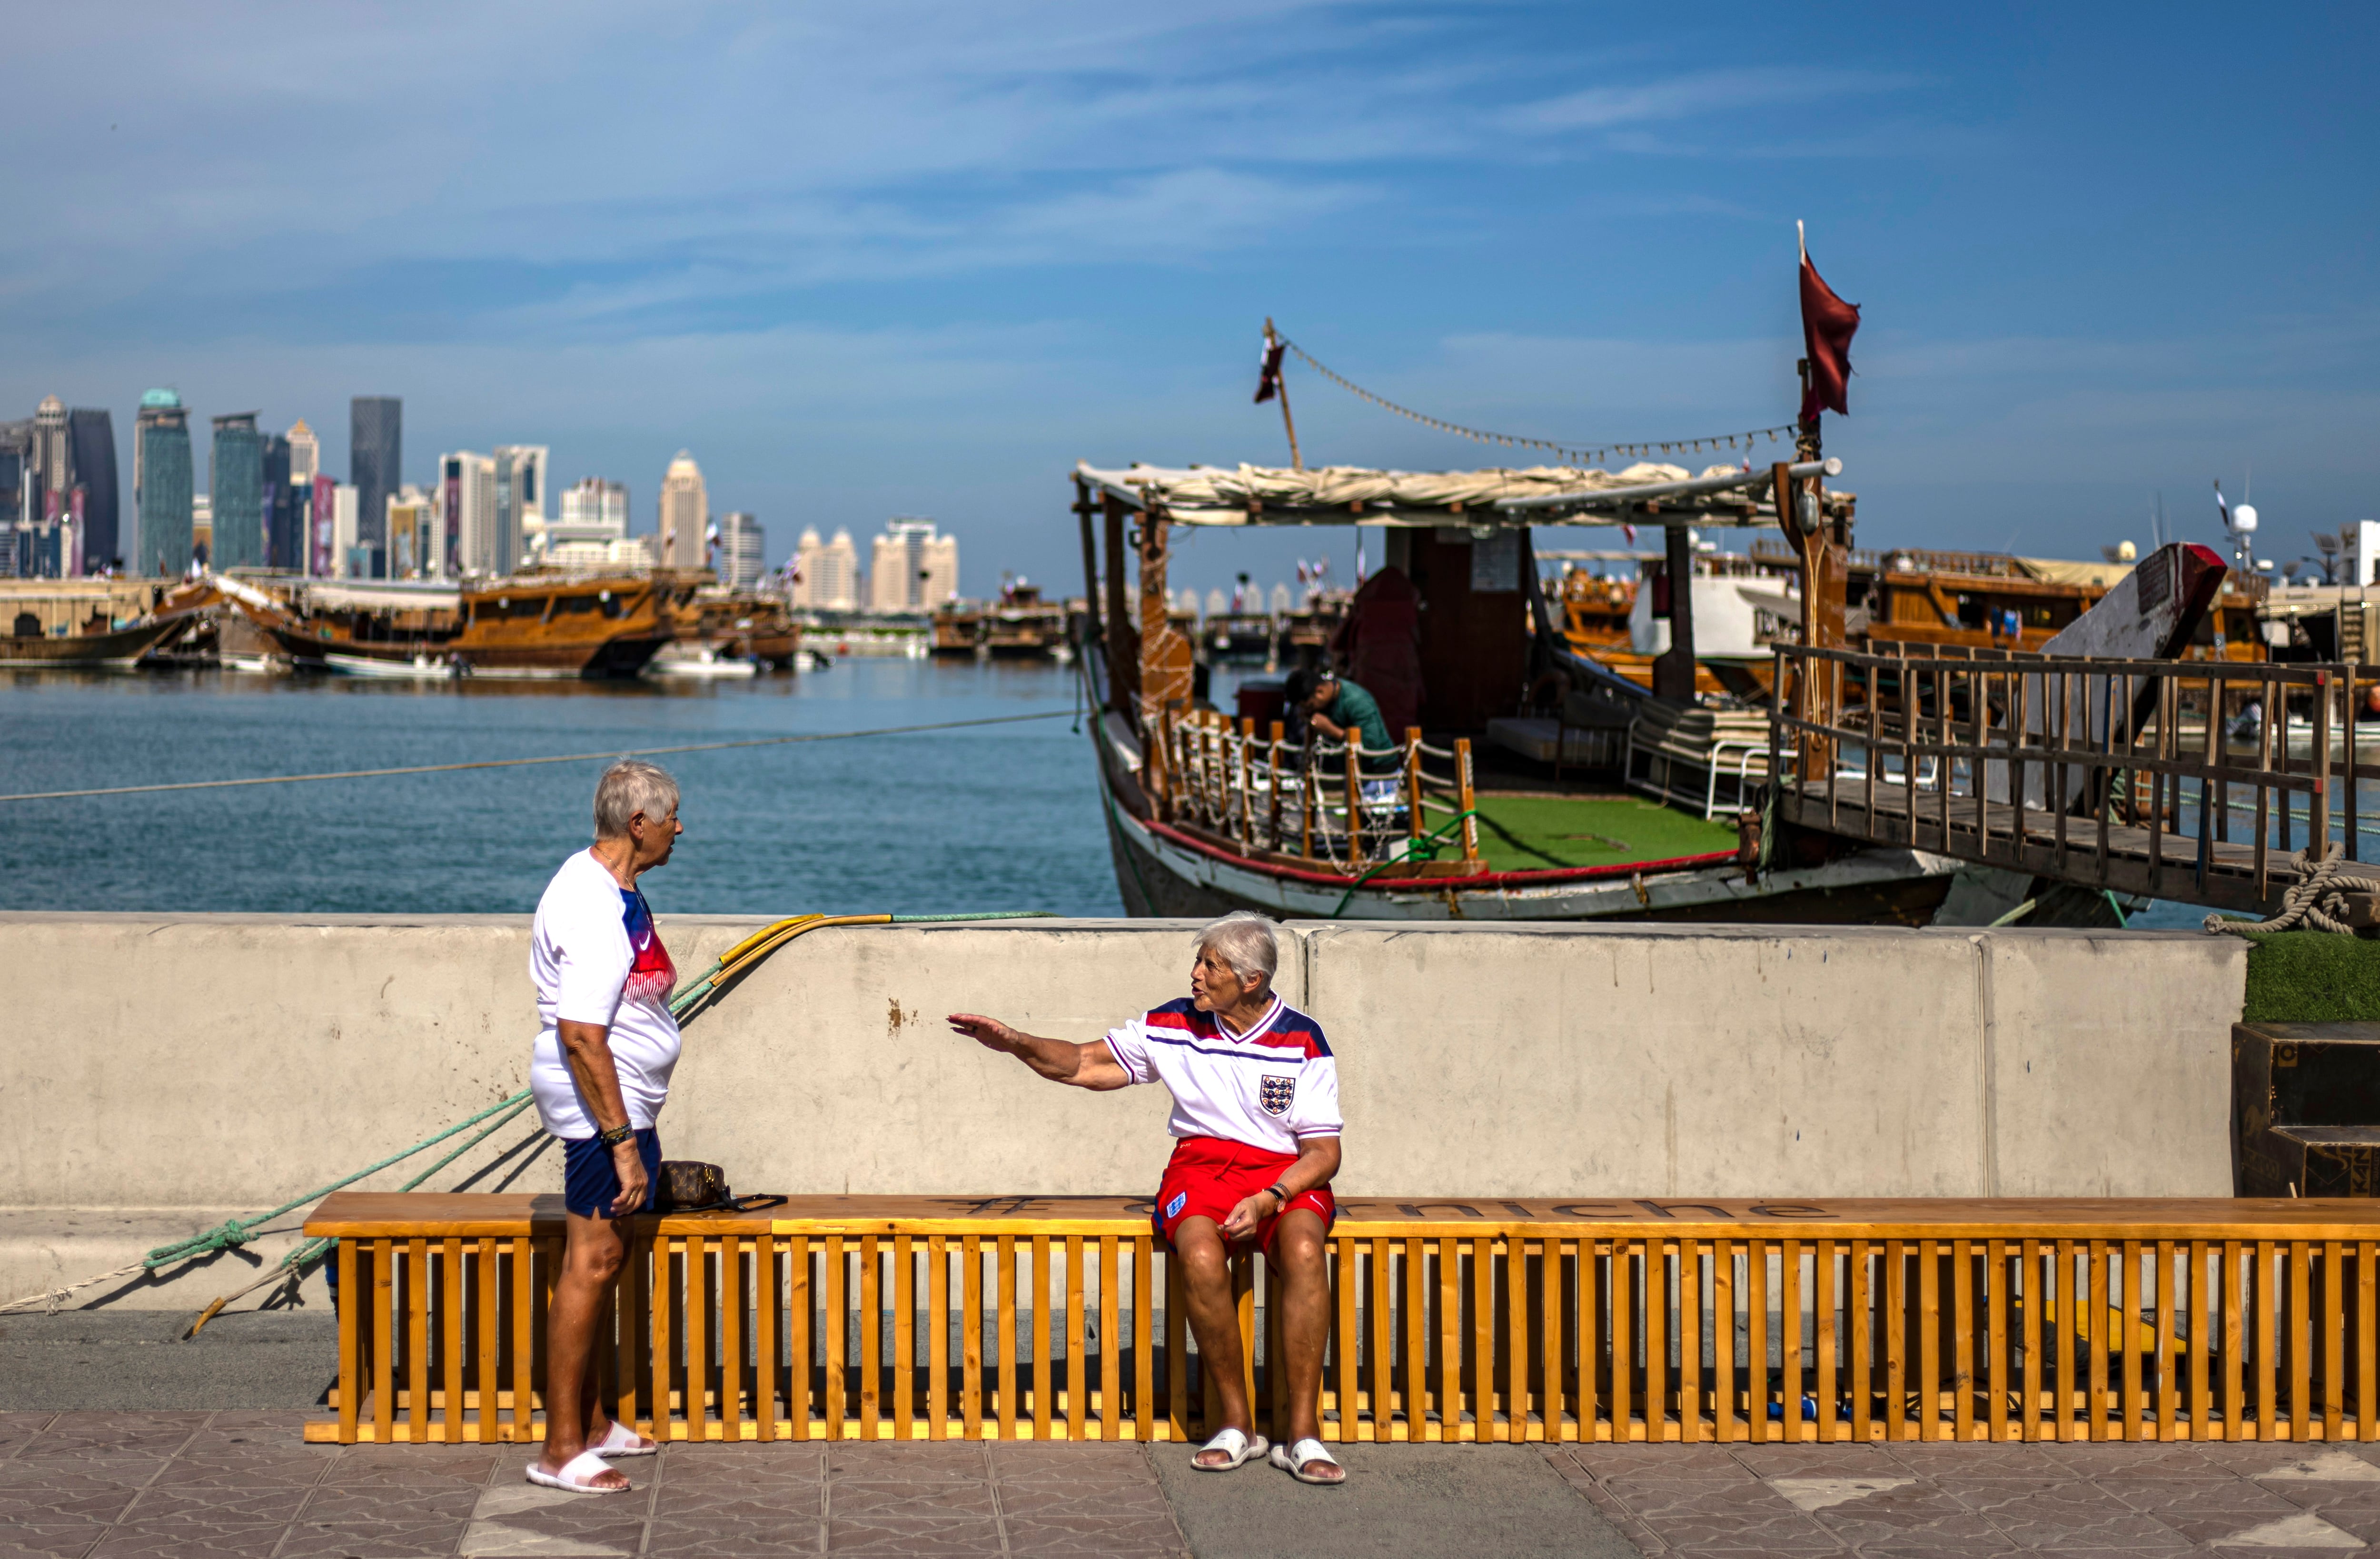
(1278, 1194)
(616, 1136)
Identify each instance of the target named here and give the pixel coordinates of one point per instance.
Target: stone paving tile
(185, 1540)
(347, 1504)
(1050, 1499)
(1666, 1463)
(48, 1540)
(395, 1539)
(96, 1502)
(2130, 1461)
(1125, 1537)
(2168, 1497)
(75, 1472)
(912, 1537)
(1747, 1516)
(731, 1539)
(932, 1498)
(210, 1508)
(363, 1466)
(56, 1444)
(906, 1464)
(1978, 1461)
(1817, 1461)
(773, 1464)
(233, 1470)
(17, 1428)
(728, 1502)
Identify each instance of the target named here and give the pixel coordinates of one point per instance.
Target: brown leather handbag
(683, 1186)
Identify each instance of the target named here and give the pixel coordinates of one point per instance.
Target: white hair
(627, 788)
(1244, 941)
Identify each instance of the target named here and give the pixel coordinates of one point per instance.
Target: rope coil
(2313, 901)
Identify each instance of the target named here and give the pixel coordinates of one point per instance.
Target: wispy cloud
(1693, 94)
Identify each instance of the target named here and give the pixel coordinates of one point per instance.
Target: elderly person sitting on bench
(1256, 1123)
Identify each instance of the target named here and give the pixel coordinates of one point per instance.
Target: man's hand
(1244, 1220)
(1328, 727)
(988, 1032)
(629, 1163)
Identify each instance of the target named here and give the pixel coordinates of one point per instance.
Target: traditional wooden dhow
(537, 627)
(1206, 812)
(90, 624)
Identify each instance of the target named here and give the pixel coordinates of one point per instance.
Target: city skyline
(861, 282)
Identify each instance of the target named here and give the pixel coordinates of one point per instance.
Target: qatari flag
(1269, 371)
(1828, 325)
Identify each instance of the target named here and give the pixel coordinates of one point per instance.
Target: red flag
(1828, 325)
(1268, 373)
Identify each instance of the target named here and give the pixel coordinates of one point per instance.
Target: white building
(830, 572)
(467, 509)
(520, 502)
(590, 529)
(342, 532)
(913, 569)
(741, 546)
(305, 455)
(415, 535)
(685, 514)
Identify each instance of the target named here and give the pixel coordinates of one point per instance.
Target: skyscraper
(467, 499)
(520, 502)
(91, 441)
(741, 545)
(240, 504)
(305, 454)
(52, 491)
(162, 485)
(285, 534)
(685, 514)
(375, 467)
(914, 570)
(16, 481)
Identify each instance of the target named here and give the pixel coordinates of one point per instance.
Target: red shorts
(1208, 1177)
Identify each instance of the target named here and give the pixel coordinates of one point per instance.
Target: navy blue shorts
(589, 1182)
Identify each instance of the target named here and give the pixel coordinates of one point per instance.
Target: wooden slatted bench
(1055, 1318)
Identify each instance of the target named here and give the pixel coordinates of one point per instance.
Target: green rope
(1427, 845)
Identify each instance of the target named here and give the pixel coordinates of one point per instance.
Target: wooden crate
(1027, 1318)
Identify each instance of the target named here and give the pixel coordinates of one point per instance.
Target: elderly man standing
(1256, 1123)
(600, 1072)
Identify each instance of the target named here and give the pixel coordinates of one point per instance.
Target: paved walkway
(2238, 1500)
(243, 1483)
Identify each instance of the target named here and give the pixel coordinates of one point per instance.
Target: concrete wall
(162, 1073)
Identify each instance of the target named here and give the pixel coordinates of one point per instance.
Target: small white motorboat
(699, 659)
(413, 668)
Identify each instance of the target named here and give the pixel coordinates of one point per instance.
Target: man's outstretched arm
(1092, 1066)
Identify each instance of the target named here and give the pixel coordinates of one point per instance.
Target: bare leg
(1298, 1251)
(591, 1258)
(1215, 1322)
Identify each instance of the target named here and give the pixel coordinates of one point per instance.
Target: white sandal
(1294, 1459)
(621, 1441)
(1242, 1448)
(578, 1475)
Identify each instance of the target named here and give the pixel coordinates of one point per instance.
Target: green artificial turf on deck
(2313, 976)
(1539, 833)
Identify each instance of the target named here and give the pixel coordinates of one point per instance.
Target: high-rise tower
(685, 514)
(162, 485)
(741, 545)
(375, 468)
(305, 454)
(90, 441)
(241, 506)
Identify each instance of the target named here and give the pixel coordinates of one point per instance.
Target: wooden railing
(2194, 781)
(1055, 1319)
(1263, 793)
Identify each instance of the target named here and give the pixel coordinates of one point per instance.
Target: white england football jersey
(1266, 1088)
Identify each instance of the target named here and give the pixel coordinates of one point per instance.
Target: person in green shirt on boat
(1339, 709)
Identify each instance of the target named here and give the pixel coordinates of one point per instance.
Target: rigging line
(1582, 452)
(558, 757)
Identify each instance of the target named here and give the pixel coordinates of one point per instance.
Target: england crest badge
(1275, 1093)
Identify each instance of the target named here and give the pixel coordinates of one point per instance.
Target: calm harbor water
(995, 818)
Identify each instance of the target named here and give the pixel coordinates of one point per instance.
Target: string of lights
(1589, 453)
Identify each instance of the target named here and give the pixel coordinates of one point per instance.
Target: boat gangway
(2206, 782)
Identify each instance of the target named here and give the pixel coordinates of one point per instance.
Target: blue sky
(920, 258)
